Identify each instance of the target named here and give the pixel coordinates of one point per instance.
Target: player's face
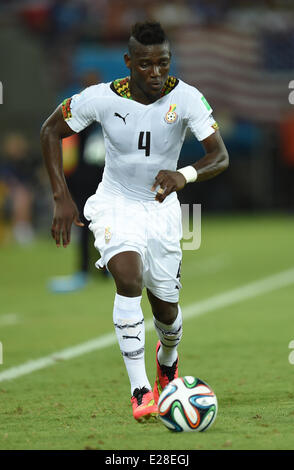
(149, 66)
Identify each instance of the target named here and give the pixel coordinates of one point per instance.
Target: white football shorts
(150, 228)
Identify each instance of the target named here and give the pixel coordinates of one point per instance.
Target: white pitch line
(9, 319)
(248, 291)
(245, 292)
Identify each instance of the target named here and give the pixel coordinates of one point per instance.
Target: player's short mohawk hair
(148, 33)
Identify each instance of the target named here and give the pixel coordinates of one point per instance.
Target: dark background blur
(239, 53)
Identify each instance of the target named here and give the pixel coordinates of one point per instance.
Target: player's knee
(168, 314)
(126, 269)
(129, 285)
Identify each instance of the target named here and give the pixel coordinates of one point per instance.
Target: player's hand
(65, 214)
(168, 181)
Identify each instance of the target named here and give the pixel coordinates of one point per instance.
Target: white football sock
(170, 336)
(130, 331)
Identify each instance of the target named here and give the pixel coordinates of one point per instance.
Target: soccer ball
(187, 404)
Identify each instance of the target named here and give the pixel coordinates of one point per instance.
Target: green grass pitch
(241, 349)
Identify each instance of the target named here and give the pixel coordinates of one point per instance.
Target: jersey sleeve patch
(82, 109)
(206, 104)
(66, 109)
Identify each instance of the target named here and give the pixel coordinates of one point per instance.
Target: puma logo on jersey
(121, 117)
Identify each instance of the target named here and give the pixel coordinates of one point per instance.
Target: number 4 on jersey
(141, 145)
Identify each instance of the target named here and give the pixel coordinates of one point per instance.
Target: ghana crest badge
(171, 116)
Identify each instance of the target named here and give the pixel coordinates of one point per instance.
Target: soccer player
(135, 214)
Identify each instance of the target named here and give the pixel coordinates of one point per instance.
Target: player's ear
(127, 59)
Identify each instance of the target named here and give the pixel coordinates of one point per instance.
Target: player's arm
(53, 131)
(215, 160)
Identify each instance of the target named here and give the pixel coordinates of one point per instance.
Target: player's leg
(119, 230)
(167, 318)
(162, 280)
(126, 268)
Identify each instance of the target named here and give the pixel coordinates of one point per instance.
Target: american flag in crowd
(232, 70)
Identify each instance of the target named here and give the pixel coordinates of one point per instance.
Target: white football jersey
(140, 140)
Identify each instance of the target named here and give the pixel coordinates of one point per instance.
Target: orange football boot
(164, 375)
(143, 404)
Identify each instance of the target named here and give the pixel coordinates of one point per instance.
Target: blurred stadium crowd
(239, 53)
